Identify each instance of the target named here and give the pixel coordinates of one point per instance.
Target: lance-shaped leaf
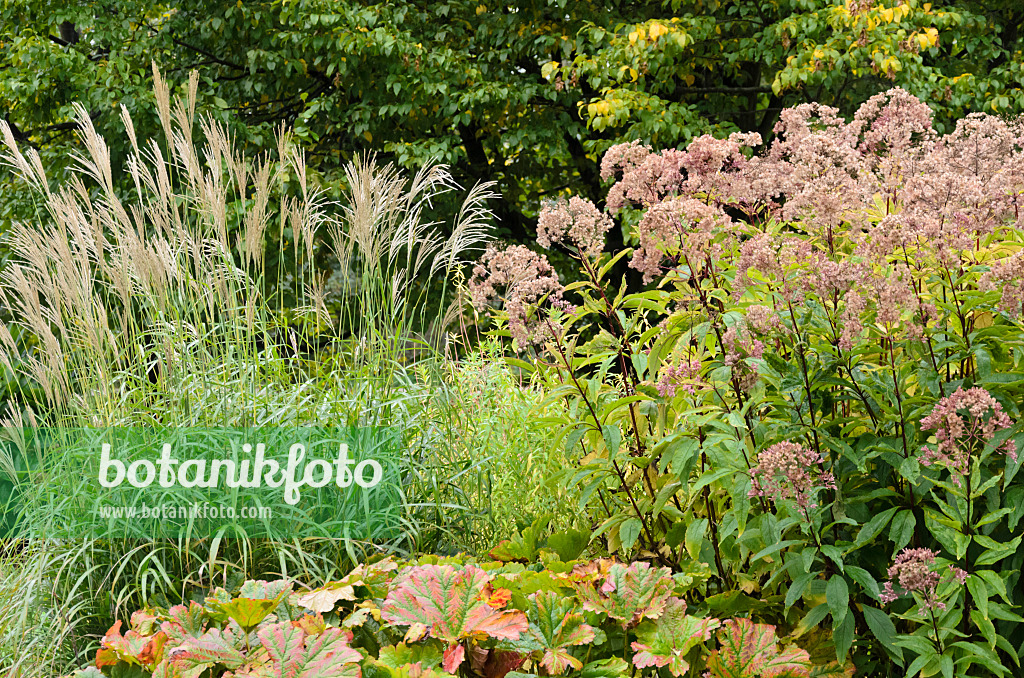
(555, 625)
(298, 655)
(452, 604)
(667, 641)
(750, 650)
(629, 593)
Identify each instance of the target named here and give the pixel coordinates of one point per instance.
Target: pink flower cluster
(577, 221)
(526, 277)
(789, 471)
(739, 345)
(963, 422)
(682, 375)
(913, 571)
(937, 195)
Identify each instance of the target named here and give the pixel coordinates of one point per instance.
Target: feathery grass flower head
(526, 277)
(963, 422)
(790, 471)
(914, 572)
(576, 221)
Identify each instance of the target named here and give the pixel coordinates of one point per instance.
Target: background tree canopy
(526, 95)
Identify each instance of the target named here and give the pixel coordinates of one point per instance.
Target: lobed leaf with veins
(555, 626)
(628, 593)
(298, 655)
(749, 650)
(667, 641)
(452, 605)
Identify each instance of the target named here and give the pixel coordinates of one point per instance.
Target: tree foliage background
(527, 95)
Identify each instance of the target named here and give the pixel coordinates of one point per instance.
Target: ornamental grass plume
(963, 423)
(913, 572)
(790, 471)
(527, 278)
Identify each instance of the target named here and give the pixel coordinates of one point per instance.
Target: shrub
(437, 617)
(823, 369)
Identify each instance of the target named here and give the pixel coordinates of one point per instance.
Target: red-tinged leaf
(629, 593)
(185, 622)
(453, 657)
(145, 623)
(153, 651)
(667, 641)
(497, 663)
(482, 622)
(750, 650)
(297, 655)
(448, 601)
(311, 624)
(132, 648)
(555, 625)
(332, 644)
(283, 643)
(499, 598)
(213, 648)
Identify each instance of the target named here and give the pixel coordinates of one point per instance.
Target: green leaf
(796, 589)
(695, 536)
(874, 527)
(842, 636)
(902, 529)
(884, 630)
(837, 595)
(612, 438)
(569, 544)
(629, 532)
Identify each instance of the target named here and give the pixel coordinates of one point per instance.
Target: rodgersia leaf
(295, 654)
(750, 650)
(667, 641)
(555, 625)
(630, 593)
(451, 604)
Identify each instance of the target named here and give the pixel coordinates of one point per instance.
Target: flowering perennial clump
(577, 221)
(913, 572)
(789, 471)
(527, 277)
(963, 422)
(679, 376)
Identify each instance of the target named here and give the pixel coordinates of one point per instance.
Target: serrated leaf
(555, 625)
(450, 602)
(748, 650)
(667, 641)
(629, 593)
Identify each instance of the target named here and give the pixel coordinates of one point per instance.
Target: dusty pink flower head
(913, 571)
(623, 158)
(526, 277)
(576, 220)
(1007, 276)
(681, 228)
(789, 471)
(683, 375)
(963, 422)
